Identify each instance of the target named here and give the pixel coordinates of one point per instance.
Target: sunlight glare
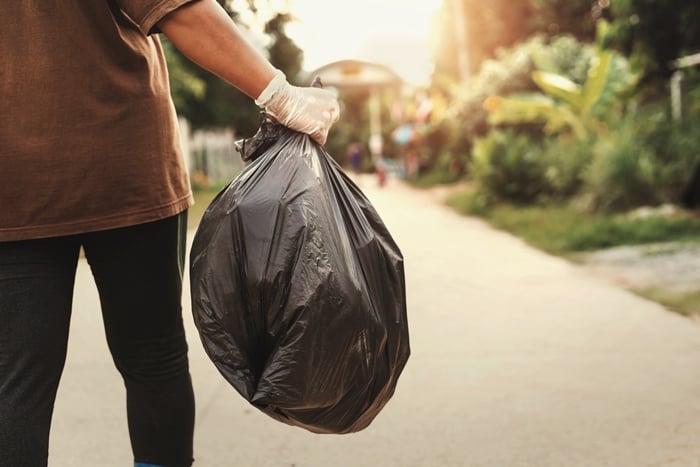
(394, 33)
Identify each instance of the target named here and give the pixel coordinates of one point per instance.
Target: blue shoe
(143, 464)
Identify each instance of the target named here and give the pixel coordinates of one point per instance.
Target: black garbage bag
(298, 289)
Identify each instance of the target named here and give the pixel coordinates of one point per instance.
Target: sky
(395, 33)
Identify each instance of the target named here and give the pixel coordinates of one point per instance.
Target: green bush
(565, 160)
(562, 229)
(511, 73)
(645, 159)
(564, 55)
(513, 167)
(622, 174)
(508, 166)
(676, 149)
(466, 120)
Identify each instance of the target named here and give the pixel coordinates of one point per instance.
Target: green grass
(685, 303)
(565, 231)
(562, 230)
(202, 198)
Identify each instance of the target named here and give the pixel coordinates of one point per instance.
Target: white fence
(210, 155)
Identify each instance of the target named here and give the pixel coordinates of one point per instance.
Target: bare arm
(206, 35)
(204, 32)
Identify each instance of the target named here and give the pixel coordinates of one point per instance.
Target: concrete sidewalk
(518, 359)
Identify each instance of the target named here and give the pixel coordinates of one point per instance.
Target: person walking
(90, 158)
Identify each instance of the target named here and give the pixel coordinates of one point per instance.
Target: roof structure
(348, 74)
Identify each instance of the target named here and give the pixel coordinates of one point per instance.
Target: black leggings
(138, 272)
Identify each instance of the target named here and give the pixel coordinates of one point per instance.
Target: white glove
(309, 110)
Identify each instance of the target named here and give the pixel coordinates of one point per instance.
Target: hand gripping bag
(298, 289)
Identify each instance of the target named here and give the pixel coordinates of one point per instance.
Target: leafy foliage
(466, 117)
(646, 158)
(570, 116)
(654, 33)
(565, 161)
(567, 105)
(184, 84)
(283, 52)
(622, 174)
(511, 167)
(508, 167)
(562, 229)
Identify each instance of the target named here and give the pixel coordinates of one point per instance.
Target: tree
(573, 17)
(655, 32)
(490, 26)
(565, 105)
(487, 27)
(283, 52)
(652, 32)
(185, 85)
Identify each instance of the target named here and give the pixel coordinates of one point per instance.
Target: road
(518, 359)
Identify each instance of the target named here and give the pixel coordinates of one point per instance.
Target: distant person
(91, 159)
(412, 162)
(381, 169)
(355, 157)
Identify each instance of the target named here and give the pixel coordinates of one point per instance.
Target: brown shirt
(88, 132)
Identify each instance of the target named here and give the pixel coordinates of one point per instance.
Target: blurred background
(572, 123)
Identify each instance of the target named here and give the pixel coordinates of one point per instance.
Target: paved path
(519, 359)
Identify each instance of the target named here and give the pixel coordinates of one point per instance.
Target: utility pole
(461, 36)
